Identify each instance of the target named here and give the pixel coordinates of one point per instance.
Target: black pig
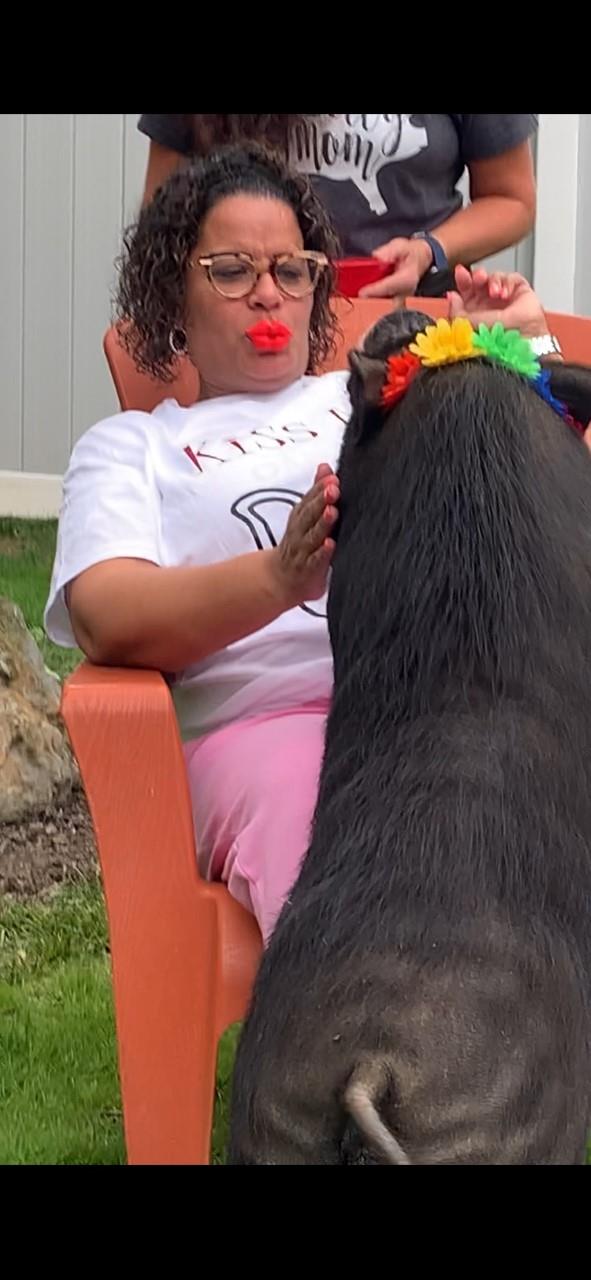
(426, 995)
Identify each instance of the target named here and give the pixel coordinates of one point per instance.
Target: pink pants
(253, 789)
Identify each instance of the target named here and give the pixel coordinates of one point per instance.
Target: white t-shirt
(197, 486)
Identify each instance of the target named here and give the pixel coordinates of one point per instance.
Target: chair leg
(181, 1129)
(167, 1036)
(153, 1137)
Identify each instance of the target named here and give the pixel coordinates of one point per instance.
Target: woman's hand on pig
(499, 297)
(302, 558)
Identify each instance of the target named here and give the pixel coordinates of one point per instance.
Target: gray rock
(36, 762)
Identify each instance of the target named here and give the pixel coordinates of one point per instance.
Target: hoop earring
(177, 340)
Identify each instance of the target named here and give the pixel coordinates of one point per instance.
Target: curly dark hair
(210, 131)
(150, 301)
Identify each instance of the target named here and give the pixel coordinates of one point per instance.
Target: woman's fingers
(317, 511)
(322, 471)
(506, 284)
(463, 277)
(456, 305)
(318, 533)
(306, 549)
(400, 284)
(392, 250)
(321, 558)
(495, 287)
(326, 476)
(464, 282)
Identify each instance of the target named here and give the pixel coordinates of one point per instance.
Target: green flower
(507, 347)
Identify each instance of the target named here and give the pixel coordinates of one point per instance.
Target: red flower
(576, 426)
(402, 370)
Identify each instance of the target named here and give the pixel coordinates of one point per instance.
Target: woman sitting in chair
(198, 541)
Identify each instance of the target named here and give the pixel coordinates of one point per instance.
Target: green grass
(26, 557)
(59, 1093)
(59, 1090)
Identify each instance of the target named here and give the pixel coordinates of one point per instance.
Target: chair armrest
(124, 732)
(162, 916)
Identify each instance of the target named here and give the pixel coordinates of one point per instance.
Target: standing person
(390, 182)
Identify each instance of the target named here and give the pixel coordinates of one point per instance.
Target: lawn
(59, 1091)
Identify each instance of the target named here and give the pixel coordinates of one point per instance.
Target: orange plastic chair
(137, 390)
(184, 953)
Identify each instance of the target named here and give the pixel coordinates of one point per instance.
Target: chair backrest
(138, 391)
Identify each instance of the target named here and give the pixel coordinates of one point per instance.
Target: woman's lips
(269, 335)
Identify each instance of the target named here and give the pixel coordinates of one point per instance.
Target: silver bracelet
(546, 345)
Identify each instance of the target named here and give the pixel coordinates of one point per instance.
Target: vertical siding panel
(97, 211)
(48, 292)
(12, 130)
(135, 160)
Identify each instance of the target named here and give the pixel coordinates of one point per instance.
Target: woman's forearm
(485, 227)
(162, 162)
(502, 212)
(133, 613)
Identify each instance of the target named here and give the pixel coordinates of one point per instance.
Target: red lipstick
(269, 335)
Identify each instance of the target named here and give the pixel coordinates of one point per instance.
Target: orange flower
(402, 369)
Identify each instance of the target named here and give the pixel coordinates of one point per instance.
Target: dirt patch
(10, 546)
(54, 847)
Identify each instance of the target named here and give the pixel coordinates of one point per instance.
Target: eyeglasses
(234, 275)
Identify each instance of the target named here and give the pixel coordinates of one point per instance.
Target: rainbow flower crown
(449, 342)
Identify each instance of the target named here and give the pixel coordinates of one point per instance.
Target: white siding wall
(69, 183)
(583, 232)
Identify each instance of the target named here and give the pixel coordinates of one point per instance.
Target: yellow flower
(445, 343)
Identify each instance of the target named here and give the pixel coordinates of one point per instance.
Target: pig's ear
(365, 391)
(370, 375)
(572, 384)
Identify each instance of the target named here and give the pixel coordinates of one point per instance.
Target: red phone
(354, 273)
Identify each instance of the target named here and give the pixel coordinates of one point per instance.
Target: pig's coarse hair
(426, 994)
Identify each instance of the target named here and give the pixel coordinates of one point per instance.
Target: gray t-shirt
(381, 176)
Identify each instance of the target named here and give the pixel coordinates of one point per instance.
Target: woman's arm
(131, 613)
(502, 212)
(128, 612)
(162, 162)
(503, 194)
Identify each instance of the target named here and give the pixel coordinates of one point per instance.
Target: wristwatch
(546, 345)
(440, 262)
